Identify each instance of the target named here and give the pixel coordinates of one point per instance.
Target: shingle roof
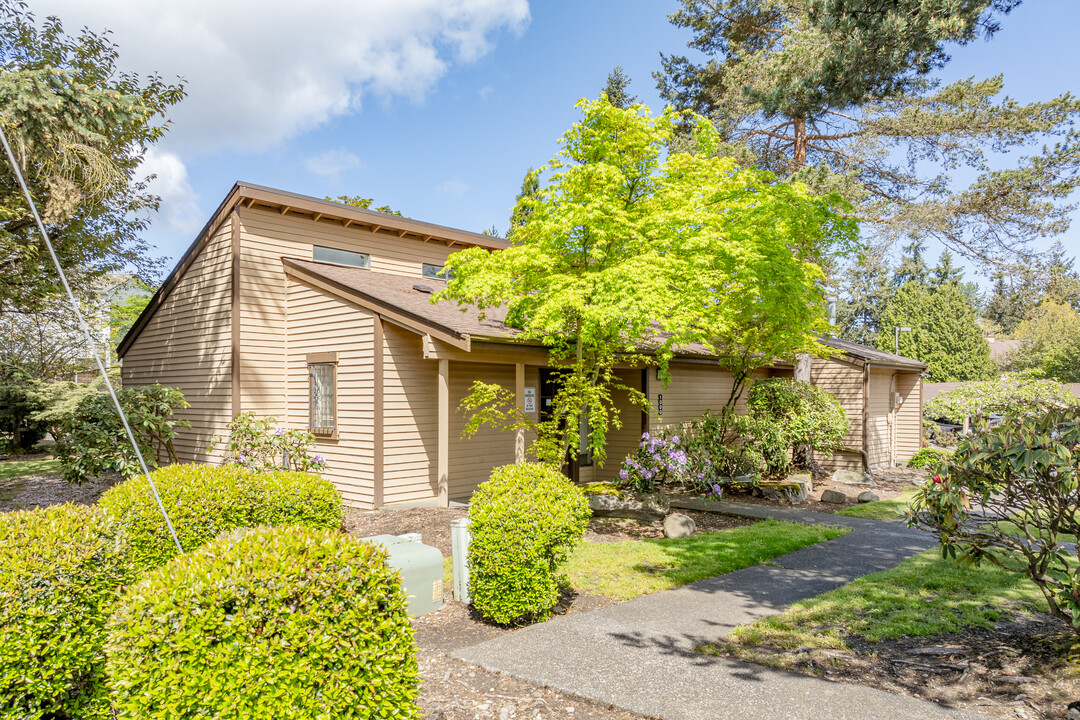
(400, 293)
(873, 355)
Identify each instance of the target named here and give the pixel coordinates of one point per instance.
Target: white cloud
(453, 188)
(332, 163)
(179, 203)
(260, 73)
(485, 92)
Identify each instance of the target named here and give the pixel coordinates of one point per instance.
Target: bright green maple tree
(629, 255)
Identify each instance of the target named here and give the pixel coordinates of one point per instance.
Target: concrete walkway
(640, 655)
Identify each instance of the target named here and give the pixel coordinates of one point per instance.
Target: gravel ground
(25, 493)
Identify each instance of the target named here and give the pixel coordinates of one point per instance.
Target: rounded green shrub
(928, 457)
(61, 570)
(206, 500)
(287, 622)
(297, 498)
(526, 519)
(785, 414)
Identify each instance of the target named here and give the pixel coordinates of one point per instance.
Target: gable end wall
(187, 344)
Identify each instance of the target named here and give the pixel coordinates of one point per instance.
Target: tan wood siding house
(280, 292)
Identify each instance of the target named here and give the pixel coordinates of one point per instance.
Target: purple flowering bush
(658, 460)
(261, 445)
(704, 454)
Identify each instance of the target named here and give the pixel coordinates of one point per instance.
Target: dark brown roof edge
(418, 322)
(186, 259)
(243, 191)
(332, 208)
(878, 358)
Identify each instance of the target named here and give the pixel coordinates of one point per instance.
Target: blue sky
(435, 107)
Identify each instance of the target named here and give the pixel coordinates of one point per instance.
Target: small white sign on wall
(530, 399)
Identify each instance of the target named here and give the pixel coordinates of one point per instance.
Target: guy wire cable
(85, 327)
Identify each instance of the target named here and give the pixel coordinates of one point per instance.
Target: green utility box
(421, 568)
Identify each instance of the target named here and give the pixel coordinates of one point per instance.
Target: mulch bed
(26, 493)
(888, 484)
(1025, 667)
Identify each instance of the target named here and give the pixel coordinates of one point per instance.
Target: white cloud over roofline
(259, 73)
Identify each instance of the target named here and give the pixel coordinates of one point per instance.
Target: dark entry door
(549, 385)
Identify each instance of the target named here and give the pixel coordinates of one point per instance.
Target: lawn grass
(925, 595)
(625, 570)
(11, 469)
(882, 509)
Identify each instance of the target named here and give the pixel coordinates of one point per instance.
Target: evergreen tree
(1008, 304)
(617, 89)
(912, 265)
(1062, 282)
(79, 128)
(945, 332)
(523, 203)
(1016, 295)
(864, 289)
(945, 272)
(830, 91)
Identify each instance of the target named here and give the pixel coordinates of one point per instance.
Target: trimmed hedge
(61, 570)
(206, 500)
(526, 519)
(266, 623)
(928, 458)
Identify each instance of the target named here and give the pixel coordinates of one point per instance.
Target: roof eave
(258, 194)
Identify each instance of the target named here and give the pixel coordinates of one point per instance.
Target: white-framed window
(322, 393)
(340, 257)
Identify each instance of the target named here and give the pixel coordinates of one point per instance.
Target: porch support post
(444, 433)
(379, 433)
(519, 402)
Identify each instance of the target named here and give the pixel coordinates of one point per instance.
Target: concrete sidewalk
(640, 655)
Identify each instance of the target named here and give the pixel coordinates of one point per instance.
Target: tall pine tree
(831, 91)
(864, 288)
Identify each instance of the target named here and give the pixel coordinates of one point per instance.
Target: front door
(549, 385)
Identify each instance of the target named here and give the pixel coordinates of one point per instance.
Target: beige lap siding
(472, 458)
(266, 236)
(321, 323)
(909, 416)
(187, 344)
(845, 382)
(410, 418)
(623, 441)
(693, 389)
(879, 447)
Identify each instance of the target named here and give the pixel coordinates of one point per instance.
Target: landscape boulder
(833, 496)
(639, 506)
(677, 525)
(853, 477)
(867, 496)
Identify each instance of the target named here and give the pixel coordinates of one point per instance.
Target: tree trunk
(798, 158)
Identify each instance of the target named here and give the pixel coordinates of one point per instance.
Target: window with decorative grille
(321, 382)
